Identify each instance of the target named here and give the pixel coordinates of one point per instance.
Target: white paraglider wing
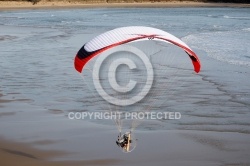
(124, 35)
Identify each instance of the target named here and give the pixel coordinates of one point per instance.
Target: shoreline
(9, 5)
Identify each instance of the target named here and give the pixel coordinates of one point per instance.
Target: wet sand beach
(11, 152)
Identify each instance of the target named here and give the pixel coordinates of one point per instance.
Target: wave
(71, 22)
(246, 29)
(229, 17)
(232, 47)
(11, 17)
(235, 17)
(7, 37)
(39, 12)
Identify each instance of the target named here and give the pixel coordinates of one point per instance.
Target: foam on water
(235, 17)
(246, 29)
(232, 46)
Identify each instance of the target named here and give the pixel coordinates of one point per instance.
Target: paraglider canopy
(125, 35)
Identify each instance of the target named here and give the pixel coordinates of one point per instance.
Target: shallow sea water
(37, 60)
(38, 49)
